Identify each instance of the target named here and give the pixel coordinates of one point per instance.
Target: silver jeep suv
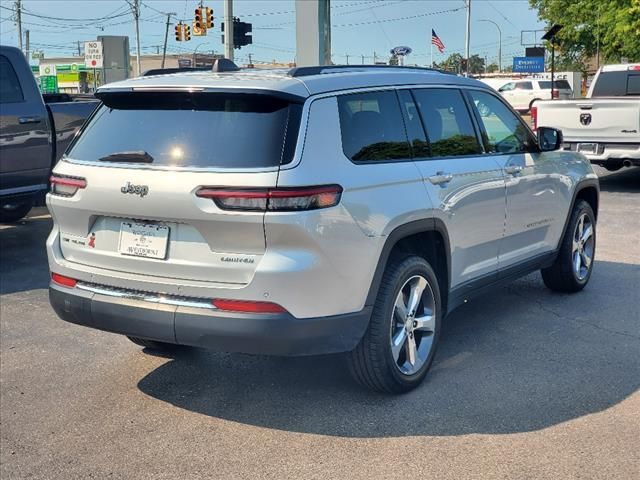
(309, 211)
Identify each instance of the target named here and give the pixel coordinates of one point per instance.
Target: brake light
(247, 307)
(64, 281)
(534, 118)
(555, 93)
(275, 199)
(66, 186)
(634, 67)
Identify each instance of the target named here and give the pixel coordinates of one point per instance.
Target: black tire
(371, 363)
(154, 345)
(562, 276)
(12, 212)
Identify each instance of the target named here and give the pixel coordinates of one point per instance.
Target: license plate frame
(588, 148)
(144, 240)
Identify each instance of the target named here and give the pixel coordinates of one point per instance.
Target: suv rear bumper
(269, 334)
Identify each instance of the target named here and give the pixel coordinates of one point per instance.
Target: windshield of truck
(617, 84)
(217, 130)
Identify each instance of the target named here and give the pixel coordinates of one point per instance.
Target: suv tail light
(555, 93)
(64, 281)
(273, 199)
(66, 186)
(634, 67)
(534, 118)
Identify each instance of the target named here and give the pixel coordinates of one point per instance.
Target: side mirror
(549, 139)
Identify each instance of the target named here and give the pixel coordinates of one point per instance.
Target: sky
(359, 27)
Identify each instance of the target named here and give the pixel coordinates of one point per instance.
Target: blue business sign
(528, 64)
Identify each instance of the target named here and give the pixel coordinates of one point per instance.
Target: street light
(196, 51)
(499, 43)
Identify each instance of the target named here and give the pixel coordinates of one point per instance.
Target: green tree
(476, 64)
(394, 59)
(451, 63)
(492, 68)
(614, 25)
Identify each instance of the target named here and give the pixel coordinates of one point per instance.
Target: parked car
(605, 126)
(319, 210)
(522, 94)
(33, 135)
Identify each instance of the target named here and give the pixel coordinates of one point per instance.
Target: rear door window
(372, 127)
(447, 121)
(524, 86)
(186, 130)
(633, 85)
(415, 130)
(10, 89)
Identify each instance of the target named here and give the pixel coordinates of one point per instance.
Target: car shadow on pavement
(520, 359)
(626, 180)
(23, 256)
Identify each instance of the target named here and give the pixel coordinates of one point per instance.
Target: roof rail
(325, 69)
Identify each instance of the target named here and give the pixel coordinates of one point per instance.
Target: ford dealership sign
(401, 51)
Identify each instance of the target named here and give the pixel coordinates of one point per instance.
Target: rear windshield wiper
(132, 157)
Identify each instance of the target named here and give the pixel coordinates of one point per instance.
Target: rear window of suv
(182, 130)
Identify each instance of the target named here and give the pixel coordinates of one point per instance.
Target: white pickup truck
(604, 126)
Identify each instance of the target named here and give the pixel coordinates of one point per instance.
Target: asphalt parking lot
(526, 384)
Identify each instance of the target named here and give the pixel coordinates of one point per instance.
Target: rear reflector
(66, 186)
(275, 200)
(64, 281)
(247, 307)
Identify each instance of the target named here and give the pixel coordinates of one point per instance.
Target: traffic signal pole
(228, 29)
(467, 38)
(166, 35)
(19, 21)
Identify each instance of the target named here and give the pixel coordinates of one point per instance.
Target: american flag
(435, 40)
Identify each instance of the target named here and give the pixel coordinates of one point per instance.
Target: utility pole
(362, 59)
(250, 61)
(467, 37)
(375, 57)
(26, 38)
(166, 35)
(347, 55)
(228, 29)
(19, 20)
(79, 53)
(135, 8)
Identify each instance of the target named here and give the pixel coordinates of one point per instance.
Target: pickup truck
(33, 135)
(604, 126)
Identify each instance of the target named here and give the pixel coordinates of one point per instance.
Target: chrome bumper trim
(146, 296)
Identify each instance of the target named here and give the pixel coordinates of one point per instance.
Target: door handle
(32, 119)
(513, 169)
(440, 178)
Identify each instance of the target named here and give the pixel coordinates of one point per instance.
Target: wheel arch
(587, 190)
(429, 239)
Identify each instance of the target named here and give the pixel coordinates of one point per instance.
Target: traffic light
(209, 18)
(178, 32)
(198, 22)
(240, 31)
(187, 33)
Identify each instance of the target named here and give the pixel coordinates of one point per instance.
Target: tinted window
(633, 85)
(447, 122)
(524, 86)
(372, 127)
(560, 84)
(415, 130)
(504, 132)
(10, 90)
(192, 130)
(611, 84)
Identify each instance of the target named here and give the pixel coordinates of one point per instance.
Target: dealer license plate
(587, 147)
(143, 240)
